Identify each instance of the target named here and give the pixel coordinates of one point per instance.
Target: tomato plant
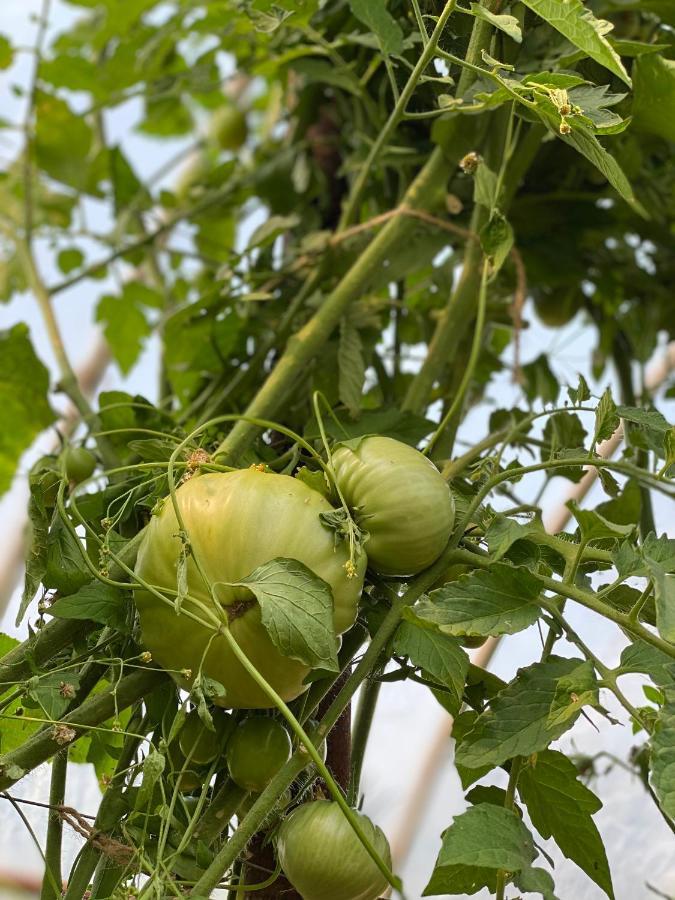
(380, 301)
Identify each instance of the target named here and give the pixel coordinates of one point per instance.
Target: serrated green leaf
(529, 713)
(24, 383)
(296, 611)
(351, 367)
(662, 757)
(479, 842)
(642, 657)
(375, 16)
(606, 418)
(498, 601)
(560, 806)
(536, 881)
(96, 601)
(578, 24)
(439, 655)
(595, 527)
(125, 327)
(508, 24)
(581, 393)
(66, 570)
(54, 691)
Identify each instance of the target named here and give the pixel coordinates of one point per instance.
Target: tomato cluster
(230, 524)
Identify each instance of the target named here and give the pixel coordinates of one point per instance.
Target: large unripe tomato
(256, 751)
(235, 523)
(323, 858)
(401, 499)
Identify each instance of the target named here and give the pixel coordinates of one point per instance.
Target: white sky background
(639, 845)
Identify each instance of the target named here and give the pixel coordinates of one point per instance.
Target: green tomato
(236, 522)
(229, 127)
(186, 777)
(79, 463)
(256, 751)
(198, 742)
(400, 498)
(324, 860)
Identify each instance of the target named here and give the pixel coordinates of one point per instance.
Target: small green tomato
(256, 751)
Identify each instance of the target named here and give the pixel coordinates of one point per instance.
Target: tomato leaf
(96, 601)
(642, 657)
(296, 609)
(498, 601)
(537, 707)
(508, 24)
(578, 24)
(24, 383)
(662, 757)
(595, 527)
(437, 654)
(351, 366)
(560, 806)
(375, 16)
(66, 570)
(480, 841)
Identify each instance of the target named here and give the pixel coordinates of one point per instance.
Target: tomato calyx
(238, 609)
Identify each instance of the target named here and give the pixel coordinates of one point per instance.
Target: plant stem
(351, 206)
(93, 712)
(365, 712)
(57, 634)
(622, 355)
(455, 409)
(308, 341)
(68, 382)
(57, 793)
(85, 866)
(509, 800)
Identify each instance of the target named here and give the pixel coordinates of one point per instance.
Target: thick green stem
(41, 647)
(509, 800)
(92, 713)
(451, 328)
(363, 721)
(52, 881)
(622, 355)
(303, 347)
(84, 868)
